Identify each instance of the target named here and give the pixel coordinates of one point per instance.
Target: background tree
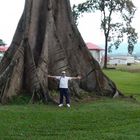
(116, 19)
(47, 41)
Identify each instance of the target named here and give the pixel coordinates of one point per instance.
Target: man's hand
(50, 76)
(79, 77)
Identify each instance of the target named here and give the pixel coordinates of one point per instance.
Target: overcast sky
(89, 24)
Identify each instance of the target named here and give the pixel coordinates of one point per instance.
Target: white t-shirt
(63, 81)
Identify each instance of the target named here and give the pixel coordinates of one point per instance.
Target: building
(3, 49)
(96, 51)
(121, 60)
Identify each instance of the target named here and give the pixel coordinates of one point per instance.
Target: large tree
(47, 41)
(116, 19)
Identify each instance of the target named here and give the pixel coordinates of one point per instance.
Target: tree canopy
(116, 21)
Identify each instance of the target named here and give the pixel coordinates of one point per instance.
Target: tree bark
(47, 41)
(106, 52)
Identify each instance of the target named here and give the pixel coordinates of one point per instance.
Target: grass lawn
(106, 119)
(127, 82)
(101, 120)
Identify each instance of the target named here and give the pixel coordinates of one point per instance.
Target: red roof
(3, 48)
(92, 46)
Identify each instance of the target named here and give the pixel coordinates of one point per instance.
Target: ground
(100, 119)
(127, 79)
(104, 119)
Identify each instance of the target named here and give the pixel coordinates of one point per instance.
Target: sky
(89, 24)
(10, 12)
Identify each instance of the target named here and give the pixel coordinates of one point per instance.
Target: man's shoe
(60, 105)
(68, 105)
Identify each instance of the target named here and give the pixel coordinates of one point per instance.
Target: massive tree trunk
(46, 42)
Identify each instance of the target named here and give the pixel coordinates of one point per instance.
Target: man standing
(63, 87)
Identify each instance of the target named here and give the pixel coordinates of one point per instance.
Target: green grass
(106, 119)
(127, 82)
(100, 120)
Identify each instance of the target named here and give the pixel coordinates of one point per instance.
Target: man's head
(63, 73)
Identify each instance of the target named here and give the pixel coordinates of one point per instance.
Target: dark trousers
(64, 92)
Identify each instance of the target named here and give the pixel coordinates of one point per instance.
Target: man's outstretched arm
(50, 76)
(78, 77)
